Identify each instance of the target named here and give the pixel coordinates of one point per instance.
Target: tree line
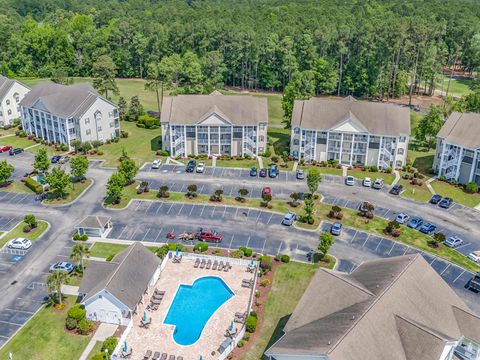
(366, 48)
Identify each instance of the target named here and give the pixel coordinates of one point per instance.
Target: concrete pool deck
(159, 337)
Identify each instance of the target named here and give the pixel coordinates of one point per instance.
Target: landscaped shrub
(148, 122)
(109, 344)
(71, 323)
(77, 237)
(265, 282)
(285, 258)
(33, 185)
(471, 187)
(246, 337)
(200, 247)
(373, 168)
(251, 324)
(98, 356)
(241, 343)
(27, 228)
(77, 312)
(85, 326)
(84, 237)
(266, 262)
(237, 254)
(246, 251)
(317, 257)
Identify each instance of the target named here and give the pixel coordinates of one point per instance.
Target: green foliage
(471, 187)
(58, 180)
(115, 187)
(110, 257)
(266, 262)
(41, 162)
(104, 70)
(313, 180)
(33, 185)
(149, 122)
(128, 168)
(325, 241)
(251, 324)
(429, 126)
(71, 323)
(246, 251)
(135, 109)
(301, 87)
(308, 210)
(109, 344)
(85, 326)
(77, 312)
(200, 247)
(6, 171)
(78, 166)
(285, 258)
(265, 283)
(30, 220)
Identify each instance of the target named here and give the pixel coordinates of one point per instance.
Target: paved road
(22, 276)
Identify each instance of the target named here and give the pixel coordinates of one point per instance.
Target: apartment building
(214, 124)
(457, 154)
(63, 113)
(351, 132)
(11, 93)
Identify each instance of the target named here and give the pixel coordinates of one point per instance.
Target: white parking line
(385, 215)
(5, 195)
(139, 203)
(181, 189)
(378, 244)
(14, 196)
(458, 277)
(148, 207)
(201, 213)
(248, 240)
(201, 189)
(458, 247)
(146, 234)
(170, 208)
(161, 204)
(190, 213)
(264, 243)
(391, 248)
(406, 250)
(120, 236)
(181, 208)
(345, 206)
(236, 212)
(368, 237)
(231, 241)
(213, 212)
(353, 237)
(9, 221)
(231, 191)
(21, 311)
(224, 211)
(270, 218)
(278, 251)
(258, 217)
(433, 260)
(133, 235)
(444, 269)
(158, 235)
(10, 323)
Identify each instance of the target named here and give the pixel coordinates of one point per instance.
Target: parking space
(8, 222)
(17, 198)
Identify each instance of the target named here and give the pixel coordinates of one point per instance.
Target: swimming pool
(193, 306)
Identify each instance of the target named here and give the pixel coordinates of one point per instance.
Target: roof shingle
(462, 129)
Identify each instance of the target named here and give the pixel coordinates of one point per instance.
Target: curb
(74, 200)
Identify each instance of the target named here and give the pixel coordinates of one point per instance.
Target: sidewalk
(397, 177)
(260, 162)
(103, 331)
(429, 187)
(214, 161)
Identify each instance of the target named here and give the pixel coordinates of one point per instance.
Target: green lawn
(96, 349)
(18, 187)
(17, 232)
(44, 338)
(415, 192)
(457, 194)
(16, 141)
(73, 192)
(245, 164)
(458, 87)
(359, 174)
(104, 250)
(50, 150)
(420, 157)
(289, 283)
(323, 170)
(140, 145)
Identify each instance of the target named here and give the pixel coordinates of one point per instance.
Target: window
(112, 124)
(1, 113)
(110, 114)
(88, 132)
(261, 126)
(295, 142)
(400, 151)
(87, 121)
(398, 164)
(9, 112)
(16, 97)
(297, 130)
(7, 102)
(260, 138)
(402, 138)
(99, 128)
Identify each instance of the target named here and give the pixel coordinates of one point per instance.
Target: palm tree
(55, 281)
(79, 251)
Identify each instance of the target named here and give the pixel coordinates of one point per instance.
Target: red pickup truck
(208, 235)
(5, 148)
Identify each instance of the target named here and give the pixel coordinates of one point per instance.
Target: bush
(33, 185)
(27, 228)
(148, 122)
(373, 168)
(100, 152)
(471, 188)
(77, 237)
(123, 134)
(110, 257)
(98, 356)
(85, 326)
(265, 283)
(285, 258)
(109, 344)
(317, 257)
(237, 254)
(77, 312)
(241, 343)
(246, 251)
(200, 247)
(251, 324)
(389, 170)
(246, 337)
(71, 323)
(266, 262)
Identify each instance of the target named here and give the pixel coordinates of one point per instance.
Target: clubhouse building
(458, 148)
(214, 124)
(351, 132)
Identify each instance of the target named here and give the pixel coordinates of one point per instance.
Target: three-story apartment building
(214, 124)
(457, 155)
(11, 93)
(63, 113)
(351, 132)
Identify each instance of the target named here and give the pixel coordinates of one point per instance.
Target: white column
(315, 145)
(327, 145)
(243, 141)
(219, 141)
(457, 172)
(379, 151)
(208, 140)
(474, 165)
(341, 148)
(366, 150)
(67, 130)
(231, 140)
(185, 140)
(300, 149)
(195, 142)
(256, 145)
(442, 154)
(351, 152)
(170, 130)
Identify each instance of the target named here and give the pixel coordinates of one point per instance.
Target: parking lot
(17, 198)
(22, 163)
(7, 223)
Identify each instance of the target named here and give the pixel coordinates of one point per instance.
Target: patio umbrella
(251, 262)
(201, 358)
(176, 252)
(125, 346)
(231, 329)
(144, 316)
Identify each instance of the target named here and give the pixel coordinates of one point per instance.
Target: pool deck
(159, 337)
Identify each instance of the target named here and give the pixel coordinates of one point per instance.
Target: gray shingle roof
(377, 118)
(5, 85)
(237, 109)
(462, 129)
(93, 222)
(126, 277)
(393, 315)
(62, 100)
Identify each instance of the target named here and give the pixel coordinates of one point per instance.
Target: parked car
(475, 256)
(415, 222)
(336, 229)
(273, 171)
(453, 241)
(266, 191)
(200, 167)
(289, 218)
(156, 164)
(378, 184)
(55, 159)
(300, 174)
(191, 166)
(350, 181)
(428, 228)
(396, 189)
(402, 218)
(19, 243)
(367, 182)
(262, 172)
(64, 159)
(62, 266)
(435, 199)
(445, 203)
(208, 235)
(474, 283)
(5, 148)
(15, 151)
(253, 171)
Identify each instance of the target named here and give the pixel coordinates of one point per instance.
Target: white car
(453, 241)
(350, 181)
(378, 184)
(367, 182)
(475, 256)
(19, 243)
(156, 164)
(200, 167)
(402, 218)
(289, 218)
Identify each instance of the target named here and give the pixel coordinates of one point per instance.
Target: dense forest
(370, 48)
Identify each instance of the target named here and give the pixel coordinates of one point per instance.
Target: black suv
(396, 189)
(191, 166)
(56, 159)
(15, 151)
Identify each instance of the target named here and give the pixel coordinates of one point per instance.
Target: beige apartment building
(214, 124)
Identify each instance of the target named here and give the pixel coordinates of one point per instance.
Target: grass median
(17, 187)
(17, 232)
(74, 190)
(457, 194)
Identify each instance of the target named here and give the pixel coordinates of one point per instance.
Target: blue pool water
(193, 306)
